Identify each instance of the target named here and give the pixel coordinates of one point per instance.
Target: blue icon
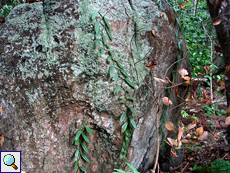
(9, 160)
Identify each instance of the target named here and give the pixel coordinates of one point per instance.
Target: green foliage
(130, 166)
(80, 139)
(213, 110)
(215, 166)
(186, 115)
(117, 72)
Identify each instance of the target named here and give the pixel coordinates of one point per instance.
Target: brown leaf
(174, 154)
(216, 22)
(185, 77)
(183, 6)
(203, 136)
(200, 131)
(2, 19)
(227, 69)
(176, 91)
(187, 83)
(206, 68)
(170, 126)
(208, 101)
(180, 133)
(162, 14)
(189, 98)
(183, 72)
(1, 109)
(190, 126)
(228, 112)
(161, 80)
(166, 101)
(194, 121)
(2, 140)
(169, 15)
(227, 121)
(173, 142)
(204, 93)
(199, 73)
(185, 141)
(154, 32)
(153, 63)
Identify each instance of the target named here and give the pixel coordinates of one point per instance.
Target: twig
(225, 156)
(3, 9)
(176, 106)
(185, 167)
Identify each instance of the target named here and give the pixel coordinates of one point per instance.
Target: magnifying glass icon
(9, 160)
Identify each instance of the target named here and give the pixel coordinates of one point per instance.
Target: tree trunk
(53, 83)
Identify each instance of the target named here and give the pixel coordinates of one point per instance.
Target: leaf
(78, 134)
(154, 32)
(109, 58)
(172, 141)
(227, 69)
(169, 15)
(2, 140)
(166, 101)
(185, 141)
(179, 135)
(96, 26)
(82, 168)
(116, 90)
(119, 170)
(200, 131)
(85, 158)
(124, 126)
(203, 136)
(131, 98)
(1, 109)
(89, 130)
(115, 77)
(127, 133)
(119, 65)
(183, 6)
(217, 22)
(106, 22)
(104, 40)
(190, 126)
(123, 115)
(97, 42)
(132, 110)
(97, 34)
(111, 53)
(124, 72)
(206, 68)
(111, 70)
(133, 122)
(153, 63)
(176, 91)
(129, 83)
(133, 169)
(170, 126)
(85, 137)
(84, 147)
(227, 121)
(122, 97)
(94, 15)
(185, 77)
(77, 154)
(77, 141)
(76, 165)
(161, 80)
(183, 72)
(109, 34)
(173, 153)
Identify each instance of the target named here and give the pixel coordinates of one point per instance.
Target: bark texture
(51, 78)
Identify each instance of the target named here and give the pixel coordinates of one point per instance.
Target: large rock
(51, 79)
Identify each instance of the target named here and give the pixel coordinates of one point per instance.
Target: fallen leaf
(154, 32)
(166, 101)
(173, 142)
(190, 126)
(204, 94)
(152, 64)
(189, 98)
(194, 121)
(180, 133)
(185, 141)
(183, 6)
(174, 154)
(203, 136)
(1, 109)
(216, 22)
(176, 91)
(188, 136)
(227, 69)
(200, 131)
(186, 77)
(208, 101)
(227, 121)
(187, 83)
(170, 126)
(206, 68)
(183, 72)
(161, 80)
(200, 74)
(221, 82)
(2, 140)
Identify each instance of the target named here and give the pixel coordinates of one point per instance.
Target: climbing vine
(116, 72)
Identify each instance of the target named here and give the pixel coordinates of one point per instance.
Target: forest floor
(201, 152)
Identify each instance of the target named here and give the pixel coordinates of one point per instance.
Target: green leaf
(85, 158)
(133, 169)
(116, 90)
(109, 58)
(111, 70)
(111, 53)
(132, 98)
(132, 110)
(85, 137)
(77, 141)
(133, 122)
(104, 40)
(89, 130)
(124, 72)
(120, 156)
(97, 42)
(106, 22)
(76, 165)
(94, 15)
(119, 171)
(115, 77)
(119, 65)
(108, 45)
(84, 147)
(96, 26)
(124, 126)
(127, 139)
(109, 34)
(127, 133)
(76, 154)
(97, 34)
(78, 134)
(128, 91)
(123, 115)
(99, 54)
(82, 168)
(125, 146)
(129, 83)
(123, 96)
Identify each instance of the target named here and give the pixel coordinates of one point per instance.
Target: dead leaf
(152, 64)
(185, 77)
(199, 73)
(161, 80)
(227, 121)
(189, 98)
(204, 94)
(228, 112)
(180, 133)
(2, 140)
(183, 72)
(169, 15)
(173, 142)
(206, 68)
(194, 121)
(203, 136)
(190, 126)
(174, 154)
(216, 22)
(187, 83)
(2, 19)
(154, 32)
(227, 69)
(200, 131)
(1, 109)
(185, 141)
(183, 6)
(166, 101)
(170, 126)
(176, 91)
(162, 14)
(208, 101)
(221, 82)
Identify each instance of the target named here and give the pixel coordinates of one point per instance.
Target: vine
(101, 29)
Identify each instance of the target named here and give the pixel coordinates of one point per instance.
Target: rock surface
(51, 79)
